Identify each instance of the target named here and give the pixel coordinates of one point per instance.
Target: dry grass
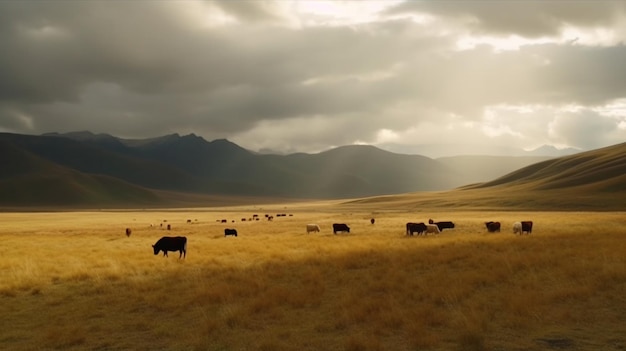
(73, 280)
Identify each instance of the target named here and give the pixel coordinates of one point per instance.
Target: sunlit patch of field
(73, 280)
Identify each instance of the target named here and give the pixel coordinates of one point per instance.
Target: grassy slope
(602, 170)
(594, 180)
(74, 281)
(32, 181)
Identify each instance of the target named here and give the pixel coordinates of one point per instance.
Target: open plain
(74, 280)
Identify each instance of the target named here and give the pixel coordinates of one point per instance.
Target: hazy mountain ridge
(438, 151)
(189, 164)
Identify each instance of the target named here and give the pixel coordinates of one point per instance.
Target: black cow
(372, 221)
(527, 226)
(418, 228)
(171, 243)
(442, 225)
(128, 231)
(228, 231)
(492, 227)
(340, 227)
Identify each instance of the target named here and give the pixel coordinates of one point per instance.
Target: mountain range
(100, 170)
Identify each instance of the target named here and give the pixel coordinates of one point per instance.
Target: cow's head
(156, 251)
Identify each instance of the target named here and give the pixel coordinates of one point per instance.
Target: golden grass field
(73, 280)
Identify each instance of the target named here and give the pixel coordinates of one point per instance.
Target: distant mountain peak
(551, 150)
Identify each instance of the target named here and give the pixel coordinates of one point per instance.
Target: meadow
(75, 281)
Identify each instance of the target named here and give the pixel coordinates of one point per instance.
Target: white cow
(432, 228)
(517, 227)
(312, 228)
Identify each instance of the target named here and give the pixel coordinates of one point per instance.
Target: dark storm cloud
(252, 72)
(224, 79)
(251, 11)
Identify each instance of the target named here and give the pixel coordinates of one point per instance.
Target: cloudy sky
(286, 76)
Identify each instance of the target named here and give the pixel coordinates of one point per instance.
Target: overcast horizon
(452, 77)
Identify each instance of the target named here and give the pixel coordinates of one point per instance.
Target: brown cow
(492, 226)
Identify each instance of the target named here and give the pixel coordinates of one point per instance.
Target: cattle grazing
(432, 228)
(169, 227)
(224, 221)
(527, 227)
(189, 221)
(372, 221)
(418, 228)
(340, 227)
(442, 225)
(228, 231)
(128, 231)
(492, 227)
(170, 243)
(312, 228)
(517, 227)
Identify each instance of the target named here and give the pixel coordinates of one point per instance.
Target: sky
(449, 77)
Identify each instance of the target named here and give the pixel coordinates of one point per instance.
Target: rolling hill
(32, 181)
(592, 180)
(602, 170)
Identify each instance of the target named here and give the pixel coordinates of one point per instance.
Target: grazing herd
(523, 227)
(229, 231)
(493, 227)
(179, 243)
(310, 228)
(340, 228)
(171, 243)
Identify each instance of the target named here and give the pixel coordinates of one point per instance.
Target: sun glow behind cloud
(333, 13)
